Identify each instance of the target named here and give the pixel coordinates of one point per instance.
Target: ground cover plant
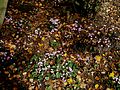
(54, 45)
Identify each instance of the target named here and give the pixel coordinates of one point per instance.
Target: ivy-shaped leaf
(40, 77)
(70, 64)
(54, 44)
(46, 78)
(58, 75)
(34, 58)
(59, 59)
(48, 88)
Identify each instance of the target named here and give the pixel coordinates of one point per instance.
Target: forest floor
(40, 49)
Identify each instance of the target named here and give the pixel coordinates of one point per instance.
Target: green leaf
(73, 74)
(70, 64)
(68, 89)
(53, 67)
(58, 75)
(34, 57)
(53, 76)
(118, 86)
(46, 78)
(46, 64)
(51, 26)
(34, 74)
(77, 3)
(48, 88)
(54, 44)
(40, 77)
(59, 59)
(35, 66)
(59, 66)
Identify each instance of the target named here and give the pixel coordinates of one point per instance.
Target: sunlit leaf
(43, 38)
(40, 44)
(96, 86)
(98, 58)
(70, 80)
(112, 74)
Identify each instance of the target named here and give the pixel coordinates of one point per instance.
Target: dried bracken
(43, 47)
